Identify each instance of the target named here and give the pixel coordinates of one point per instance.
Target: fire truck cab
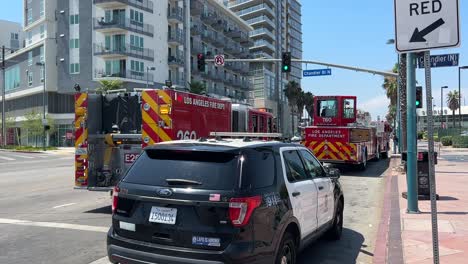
(340, 135)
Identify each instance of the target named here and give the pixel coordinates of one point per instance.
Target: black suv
(223, 201)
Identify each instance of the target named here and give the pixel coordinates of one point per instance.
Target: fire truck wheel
(377, 154)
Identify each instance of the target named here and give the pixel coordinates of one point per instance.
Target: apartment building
(142, 43)
(217, 30)
(11, 36)
(277, 28)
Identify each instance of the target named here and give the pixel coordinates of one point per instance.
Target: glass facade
(12, 78)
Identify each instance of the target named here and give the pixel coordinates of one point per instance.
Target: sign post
(422, 26)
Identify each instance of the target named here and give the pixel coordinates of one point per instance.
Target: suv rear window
(212, 170)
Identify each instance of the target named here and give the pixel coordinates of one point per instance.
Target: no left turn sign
(219, 60)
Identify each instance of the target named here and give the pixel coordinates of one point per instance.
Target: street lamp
(459, 91)
(42, 64)
(442, 105)
(147, 74)
(397, 118)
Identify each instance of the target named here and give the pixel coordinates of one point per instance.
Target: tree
(292, 91)
(107, 85)
(33, 125)
(391, 115)
(300, 105)
(197, 87)
(309, 103)
(452, 102)
(391, 86)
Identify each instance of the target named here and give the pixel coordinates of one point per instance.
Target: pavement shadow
(374, 169)
(345, 250)
(448, 213)
(447, 198)
(102, 210)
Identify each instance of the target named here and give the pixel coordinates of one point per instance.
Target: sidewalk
(452, 187)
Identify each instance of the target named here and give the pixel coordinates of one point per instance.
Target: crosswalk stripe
(99, 229)
(6, 158)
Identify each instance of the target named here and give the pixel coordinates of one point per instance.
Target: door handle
(320, 188)
(294, 194)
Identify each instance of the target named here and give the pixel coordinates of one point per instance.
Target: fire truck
(339, 135)
(111, 129)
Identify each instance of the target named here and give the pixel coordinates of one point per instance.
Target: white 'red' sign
(422, 25)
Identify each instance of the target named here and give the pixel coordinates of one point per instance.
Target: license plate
(163, 215)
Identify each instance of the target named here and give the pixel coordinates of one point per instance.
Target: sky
(352, 33)
(355, 33)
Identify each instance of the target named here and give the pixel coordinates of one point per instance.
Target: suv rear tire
(287, 250)
(336, 230)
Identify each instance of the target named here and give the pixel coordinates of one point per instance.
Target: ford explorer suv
(223, 201)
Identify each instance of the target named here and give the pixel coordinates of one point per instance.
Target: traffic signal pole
(411, 176)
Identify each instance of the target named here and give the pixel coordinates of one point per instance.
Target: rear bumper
(128, 251)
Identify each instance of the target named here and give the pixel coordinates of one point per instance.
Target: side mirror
(334, 173)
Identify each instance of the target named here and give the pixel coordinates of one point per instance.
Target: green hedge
(436, 139)
(446, 141)
(460, 142)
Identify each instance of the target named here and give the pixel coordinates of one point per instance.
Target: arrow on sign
(418, 36)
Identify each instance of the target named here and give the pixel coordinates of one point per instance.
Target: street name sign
(320, 72)
(422, 25)
(219, 60)
(446, 60)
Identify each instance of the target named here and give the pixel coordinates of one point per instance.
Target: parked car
(223, 201)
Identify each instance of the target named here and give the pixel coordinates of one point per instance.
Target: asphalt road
(43, 220)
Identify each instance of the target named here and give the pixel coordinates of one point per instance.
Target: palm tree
(300, 105)
(452, 102)
(107, 85)
(309, 103)
(292, 91)
(403, 105)
(197, 87)
(391, 86)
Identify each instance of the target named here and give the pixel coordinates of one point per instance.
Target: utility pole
(411, 175)
(3, 99)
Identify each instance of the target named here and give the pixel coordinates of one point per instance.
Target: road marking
(6, 158)
(104, 260)
(55, 225)
(63, 205)
(21, 156)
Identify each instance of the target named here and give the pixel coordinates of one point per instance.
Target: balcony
(126, 50)
(261, 8)
(145, 5)
(209, 17)
(124, 74)
(233, 33)
(123, 24)
(262, 32)
(175, 15)
(176, 37)
(196, 29)
(217, 76)
(207, 36)
(261, 20)
(177, 60)
(218, 40)
(197, 48)
(196, 7)
(263, 44)
(239, 4)
(220, 24)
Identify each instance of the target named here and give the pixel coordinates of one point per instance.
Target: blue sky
(351, 33)
(355, 33)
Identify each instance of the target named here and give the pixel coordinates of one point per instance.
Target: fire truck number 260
(181, 135)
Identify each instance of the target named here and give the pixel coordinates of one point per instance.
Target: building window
(30, 37)
(30, 78)
(42, 31)
(74, 43)
(30, 58)
(136, 43)
(30, 15)
(74, 19)
(136, 17)
(41, 54)
(41, 8)
(12, 78)
(137, 68)
(74, 68)
(14, 36)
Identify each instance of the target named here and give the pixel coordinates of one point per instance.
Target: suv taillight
(115, 198)
(240, 209)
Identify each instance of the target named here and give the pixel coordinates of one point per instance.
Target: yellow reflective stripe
(153, 105)
(316, 149)
(164, 96)
(333, 156)
(80, 100)
(160, 132)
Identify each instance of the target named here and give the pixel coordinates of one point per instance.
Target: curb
(21, 151)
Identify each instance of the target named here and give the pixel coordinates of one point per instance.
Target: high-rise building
(142, 43)
(277, 28)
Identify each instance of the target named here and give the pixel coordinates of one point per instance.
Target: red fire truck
(112, 129)
(339, 136)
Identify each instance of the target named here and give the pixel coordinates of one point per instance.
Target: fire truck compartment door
(359, 135)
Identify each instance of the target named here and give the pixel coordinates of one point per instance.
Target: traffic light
(419, 97)
(286, 62)
(201, 62)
